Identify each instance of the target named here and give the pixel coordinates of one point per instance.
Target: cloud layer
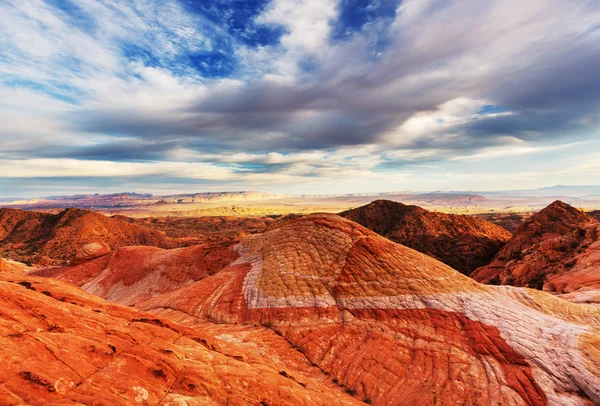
(297, 95)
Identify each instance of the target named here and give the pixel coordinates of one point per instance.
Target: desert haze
(299, 202)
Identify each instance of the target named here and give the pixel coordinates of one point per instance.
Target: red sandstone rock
(91, 251)
(130, 275)
(29, 236)
(387, 323)
(56, 239)
(463, 242)
(62, 346)
(557, 250)
(8, 267)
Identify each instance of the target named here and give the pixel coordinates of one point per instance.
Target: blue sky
(297, 96)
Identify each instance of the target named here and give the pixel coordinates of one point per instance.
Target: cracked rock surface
(63, 346)
(386, 323)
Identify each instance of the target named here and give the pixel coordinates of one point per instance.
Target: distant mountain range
(578, 195)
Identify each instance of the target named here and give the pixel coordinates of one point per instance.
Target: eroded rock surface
(463, 242)
(557, 250)
(391, 325)
(54, 239)
(130, 275)
(91, 251)
(62, 346)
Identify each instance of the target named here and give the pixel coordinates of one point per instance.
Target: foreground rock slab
(62, 346)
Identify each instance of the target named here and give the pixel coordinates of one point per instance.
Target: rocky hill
(463, 242)
(52, 239)
(75, 234)
(557, 249)
(383, 322)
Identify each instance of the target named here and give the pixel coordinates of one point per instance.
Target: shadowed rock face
(463, 242)
(53, 239)
(557, 250)
(63, 346)
(595, 214)
(390, 324)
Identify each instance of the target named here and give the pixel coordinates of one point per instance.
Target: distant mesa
(463, 242)
(98, 201)
(447, 199)
(557, 250)
(384, 322)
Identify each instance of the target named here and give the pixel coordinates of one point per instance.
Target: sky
(297, 96)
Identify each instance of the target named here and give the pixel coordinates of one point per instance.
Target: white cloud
(408, 106)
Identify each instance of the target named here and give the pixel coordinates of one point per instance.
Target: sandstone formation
(130, 275)
(91, 251)
(206, 229)
(56, 238)
(385, 322)
(75, 235)
(8, 267)
(463, 242)
(63, 346)
(557, 250)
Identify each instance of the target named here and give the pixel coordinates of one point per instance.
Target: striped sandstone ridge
(63, 346)
(557, 250)
(463, 242)
(395, 326)
(131, 275)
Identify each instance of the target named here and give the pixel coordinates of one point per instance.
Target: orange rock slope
(463, 242)
(63, 346)
(388, 324)
(557, 250)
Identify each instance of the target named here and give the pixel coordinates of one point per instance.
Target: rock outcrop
(74, 235)
(389, 324)
(63, 346)
(557, 250)
(53, 239)
(90, 251)
(130, 275)
(463, 242)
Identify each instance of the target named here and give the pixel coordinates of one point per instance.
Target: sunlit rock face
(63, 346)
(556, 250)
(131, 275)
(390, 324)
(463, 242)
